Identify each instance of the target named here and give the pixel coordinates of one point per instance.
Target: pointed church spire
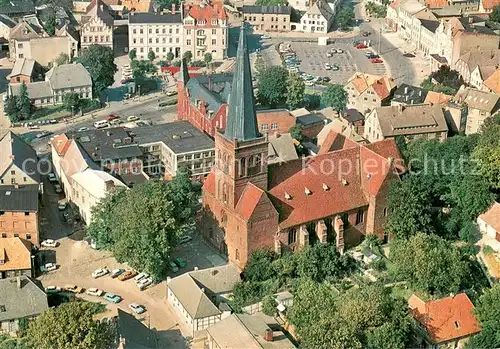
(184, 75)
(241, 120)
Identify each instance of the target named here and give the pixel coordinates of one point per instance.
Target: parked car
(113, 298)
(132, 118)
(49, 243)
(339, 50)
(112, 117)
(116, 272)
(265, 37)
(62, 204)
(329, 54)
(50, 266)
(185, 239)
(309, 83)
(144, 283)
(377, 60)
(43, 134)
(74, 289)
(335, 67)
(136, 308)
(99, 272)
(94, 292)
(57, 188)
(361, 46)
(52, 177)
(367, 33)
(129, 274)
(140, 276)
(174, 267)
(328, 66)
(326, 79)
(171, 93)
(180, 262)
(83, 129)
(52, 289)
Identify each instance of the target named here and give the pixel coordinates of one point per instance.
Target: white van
(101, 124)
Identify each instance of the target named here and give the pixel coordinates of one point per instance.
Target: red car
(377, 60)
(360, 46)
(112, 117)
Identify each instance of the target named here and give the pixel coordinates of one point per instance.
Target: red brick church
(338, 196)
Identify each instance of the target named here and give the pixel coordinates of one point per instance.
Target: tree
(50, 22)
(132, 54)
(429, 263)
(207, 58)
(24, 103)
(63, 58)
(335, 96)
(259, 266)
(488, 313)
(345, 17)
(495, 14)
(151, 56)
(487, 152)
(273, 86)
(99, 61)
(295, 92)
(141, 68)
(70, 325)
(188, 56)
(11, 109)
(443, 80)
(71, 102)
(170, 56)
(260, 65)
(271, 2)
(141, 225)
(167, 4)
(296, 132)
(269, 305)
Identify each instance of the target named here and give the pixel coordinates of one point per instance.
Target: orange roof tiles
(387, 148)
(382, 85)
(281, 117)
(490, 4)
(436, 3)
(493, 82)
(335, 141)
(60, 143)
(447, 318)
(249, 200)
(207, 13)
(16, 254)
(437, 98)
(492, 216)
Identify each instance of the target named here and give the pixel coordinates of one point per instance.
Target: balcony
(201, 36)
(201, 46)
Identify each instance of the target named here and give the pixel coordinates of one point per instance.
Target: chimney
(268, 335)
(173, 8)
(18, 281)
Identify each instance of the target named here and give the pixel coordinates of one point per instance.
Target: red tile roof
(388, 149)
(395, 4)
(493, 82)
(490, 4)
(447, 318)
(335, 141)
(207, 13)
(60, 143)
(249, 200)
(492, 216)
(436, 3)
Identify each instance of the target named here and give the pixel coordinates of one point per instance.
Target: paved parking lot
(313, 58)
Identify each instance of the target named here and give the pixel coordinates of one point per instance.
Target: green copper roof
(241, 120)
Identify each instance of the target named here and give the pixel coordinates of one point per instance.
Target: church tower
(241, 151)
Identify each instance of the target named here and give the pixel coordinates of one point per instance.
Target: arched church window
(292, 236)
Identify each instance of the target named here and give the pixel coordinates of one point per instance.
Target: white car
(329, 54)
(339, 50)
(132, 118)
(328, 66)
(50, 266)
(144, 283)
(136, 308)
(140, 276)
(265, 37)
(52, 177)
(49, 243)
(94, 292)
(309, 83)
(99, 272)
(83, 129)
(52, 289)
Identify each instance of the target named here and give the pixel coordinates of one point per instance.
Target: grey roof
(7, 21)
(321, 7)
(152, 18)
(241, 122)
(23, 66)
(21, 199)
(277, 10)
(430, 25)
(353, 115)
(310, 119)
(212, 89)
(99, 9)
(17, 7)
(67, 76)
(192, 287)
(36, 90)
(481, 100)
(106, 144)
(408, 94)
(411, 119)
(134, 332)
(179, 136)
(439, 58)
(281, 148)
(14, 150)
(27, 301)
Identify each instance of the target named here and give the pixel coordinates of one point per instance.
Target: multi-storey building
(480, 105)
(19, 164)
(160, 34)
(206, 30)
(319, 17)
(97, 25)
(268, 18)
(366, 91)
(248, 205)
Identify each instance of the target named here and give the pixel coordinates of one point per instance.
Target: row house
(249, 205)
(367, 91)
(479, 106)
(268, 18)
(477, 66)
(319, 17)
(96, 26)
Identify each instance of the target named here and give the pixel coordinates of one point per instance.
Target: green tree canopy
(269, 305)
(344, 18)
(296, 132)
(99, 61)
(443, 80)
(70, 325)
(170, 56)
(295, 92)
(151, 56)
(132, 54)
(429, 263)
(335, 96)
(259, 266)
(495, 14)
(188, 56)
(24, 104)
(71, 102)
(141, 225)
(207, 58)
(488, 314)
(487, 152)
(63, 58)
(167, 4)
(260, 65)
(50, 22)
(273, 86)
(11, 109)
